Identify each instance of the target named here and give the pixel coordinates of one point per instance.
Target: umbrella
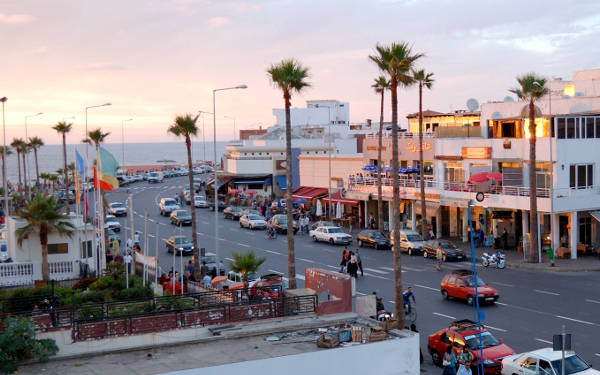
(481, 177)
(319, 210)
(369, 168)
(338, 211)
(300, 200)
(217, 280)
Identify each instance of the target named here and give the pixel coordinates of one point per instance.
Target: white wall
(314, 171)
(312, 115)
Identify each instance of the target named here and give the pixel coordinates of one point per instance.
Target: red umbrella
(481, 177)
(496, 176)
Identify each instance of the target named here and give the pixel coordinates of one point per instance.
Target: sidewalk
(514, 259)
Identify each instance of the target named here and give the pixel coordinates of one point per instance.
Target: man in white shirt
(128, 259)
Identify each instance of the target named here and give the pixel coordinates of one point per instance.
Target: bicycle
(271, 235)
(411, 315)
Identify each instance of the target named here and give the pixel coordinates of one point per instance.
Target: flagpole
(100, 206)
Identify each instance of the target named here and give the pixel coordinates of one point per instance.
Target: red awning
(337, 197)
(308, 192)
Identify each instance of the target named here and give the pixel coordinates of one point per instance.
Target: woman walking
(449, 362)
(353, 266)
(344, 261)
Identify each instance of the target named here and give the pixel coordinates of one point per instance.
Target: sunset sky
(154, 59)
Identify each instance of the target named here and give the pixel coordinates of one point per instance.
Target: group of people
(304, 223)
(451, 362)
(351, 263)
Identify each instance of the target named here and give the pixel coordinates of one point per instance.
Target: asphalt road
(533, 305)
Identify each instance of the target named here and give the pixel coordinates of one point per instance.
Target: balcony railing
(402, 135)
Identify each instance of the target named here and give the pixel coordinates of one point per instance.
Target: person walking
(449, 362)
(128, 259)
(353, 266)
(204, 269)
(371, 221)
(344, 261)
(439, 254)
(504, 239)
(359, 262)
(190, 267)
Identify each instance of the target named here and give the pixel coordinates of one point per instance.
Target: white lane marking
(544, 341)
(412, 269)
(151, 220)
(334, 267)
(394, 302)
(277, 272)
(444, 316)
(300, 277)
(164, 239)
(229, 259)
(496, 328)
(597, 354)
(546, 292)
(499, 283)
(427, 287)
(305, 260)
(243, 244)
(387, 269)
(574, 320)
(501, 304)
(591, 301)
(361, 293)
(205, 222)
(271, 251)
(376, 271)
(376, 276)
(151, 235)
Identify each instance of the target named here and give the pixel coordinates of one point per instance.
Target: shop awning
(337, 197)
(261, 181)
(282, 182)
(308, 192)
(595, 215)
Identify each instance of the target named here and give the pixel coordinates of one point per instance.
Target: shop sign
(453, 202)
(412, 147)
(375, 148)
(477, 152)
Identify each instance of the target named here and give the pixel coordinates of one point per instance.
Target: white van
(155, 177)
(410, 242)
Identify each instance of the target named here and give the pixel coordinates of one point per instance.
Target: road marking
(277, 272)
(361, 293)
(394, 302)
(376, 276)
(334, 267)
(591, 301)
(546, 292)
(597, 354)
(444, 316)
(229, 259)
(305, 260)
(495, 328)
(151, 235)
(301, 277)
(243, 244)
(164, 239)
(376, 271)
(387, 269)
(499, 283)
(271, 251)
(501, 304)
(544, 341)
(151, 220)
(574, 320)
(427, 287)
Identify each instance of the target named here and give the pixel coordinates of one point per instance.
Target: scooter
(495, 259)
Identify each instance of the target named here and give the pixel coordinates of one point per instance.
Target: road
(533, 305)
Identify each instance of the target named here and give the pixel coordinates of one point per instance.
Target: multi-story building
(446, 124)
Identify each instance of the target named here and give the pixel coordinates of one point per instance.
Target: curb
(552, 269)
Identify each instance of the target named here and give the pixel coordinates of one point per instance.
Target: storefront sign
(375, 148)
(428, 196)
(414, 147)
(453, 202)
(477, 152)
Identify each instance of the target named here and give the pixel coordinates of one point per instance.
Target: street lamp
(232, 118)
(203, 138)
(26, 156)
(215, 183)
(123, 140)
(4, 183)
(328, 155)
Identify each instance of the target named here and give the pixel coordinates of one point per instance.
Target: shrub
(134, 293)
(84, 283)
(64, 294)
(18, 343)
(103, 283)
(89, 296)
(89, 311)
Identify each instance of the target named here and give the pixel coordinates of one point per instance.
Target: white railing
(16, 274)
(402, 135)
(63, 270)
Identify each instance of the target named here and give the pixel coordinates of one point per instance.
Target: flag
(77, 188)
(79, 164)
(101, 183)
(107, 174)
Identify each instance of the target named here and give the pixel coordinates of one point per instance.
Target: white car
(333, 235)
(117, 209)
(200, 202)
(545, 362)
(167, 205)
(111, 222)
(253, 221)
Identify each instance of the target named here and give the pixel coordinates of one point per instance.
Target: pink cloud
(15, 18)
(219, 21)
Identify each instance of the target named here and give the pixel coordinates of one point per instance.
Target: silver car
(253, 221)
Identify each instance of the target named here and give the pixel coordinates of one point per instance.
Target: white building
(320, 112)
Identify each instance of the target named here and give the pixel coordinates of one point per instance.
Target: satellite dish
(472, 104)
(508, 99)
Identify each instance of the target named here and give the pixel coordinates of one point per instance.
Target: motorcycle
(497, 259)
(384, 316)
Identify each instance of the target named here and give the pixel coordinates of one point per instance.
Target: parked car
(249, 211)
(222, 205)
(62, 195)
(460, 284)
(280, 224)
(117, 209)
(186, 196)
(112, 235)
(449, 250)
(322, 224)
(464, 333)
(111, 222)
(546, 362)
(137, 177)
(332, 235)
(373, 238)
(180, 218)
(232, 212)
(253, 221)
(182, 244)
(200, 202)
(410, 242)
(167, 205)
(155, 177)
(4, 258)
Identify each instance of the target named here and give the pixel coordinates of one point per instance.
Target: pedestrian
(449, 362)
(344, 260)
(371, 221)
(465, 358)
(359, 262)
(127, 259)
(480, 238)
(464, 369)
(136, 238)
(206, 279)
(190, 267)
(439, 254)
(504, 239)
(413, 328)
(204, 269)
(431, 234)
(353, 266)
(115, 247)
(129, 244)
(213, 272)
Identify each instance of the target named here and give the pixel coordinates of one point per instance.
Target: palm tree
(36, 143)
(63, 128)
(44, 177)
(289, 76)
(95, 137)
(426, 80)
(71, 169)
(4, 151)
(185, 126)
(245, 263)
(43, 216)
(381, 84)
(53, 178)
(532, 88)
(396, 60)
(16, 144)
(24, 151)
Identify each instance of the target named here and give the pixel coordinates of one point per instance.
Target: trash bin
(550, 253)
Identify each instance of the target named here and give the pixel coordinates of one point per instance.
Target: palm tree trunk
(288, 203)
(4, 180)
(196, 257)
(379, 188)
(64, 139)
(533, 220)
(399, 307)
(19, 168)
(24, 154)
(37, 170)
(44, 243)
(421, 174)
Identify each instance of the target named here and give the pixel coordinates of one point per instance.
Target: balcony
(401, 135)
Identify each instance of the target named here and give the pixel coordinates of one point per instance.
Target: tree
(53, 178)
(185, 126)
(18, 343)
(289, 76)
(45, 177)
(3, 152)
(16, 144)
(426, 80)
(24, 146)
(36, 143)
(381, 84)
(43, 215)
(396, 60)
(245, 263)
(63, 128)
(532, 88)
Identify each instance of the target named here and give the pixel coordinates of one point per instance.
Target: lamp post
(203, 138)
(232, 118)
(4, 181)
(215, 183)
(26, 177)
(329, 209)
(123, 140)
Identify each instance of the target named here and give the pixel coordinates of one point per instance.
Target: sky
(155, 59)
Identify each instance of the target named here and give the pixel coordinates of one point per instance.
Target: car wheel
(410, 251)
(424, 253)
(331, 241)
(376, 246)
(436, 358)
(241, 226)
(360, 243)
(314, 238)
(445, 294)
(470, 300)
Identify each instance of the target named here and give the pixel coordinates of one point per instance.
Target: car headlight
(489, 362)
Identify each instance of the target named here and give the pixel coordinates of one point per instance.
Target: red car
(463, 333)
(461, 284)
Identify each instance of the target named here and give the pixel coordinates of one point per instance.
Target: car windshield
(378, 235)
(199, 198)
(117, 205)
(253, 276)
(209, 259)
(181, 240)
(183, 214)
(487, 340)
(153, 174)
(255, 217)
(471, 282)
(413, 237)
(282, 220)
(111, 219)
(334, 230)
(170, 202)
(573, 365)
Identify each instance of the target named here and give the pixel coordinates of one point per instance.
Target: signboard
(414, 147)
(477, 152)
(375, 148)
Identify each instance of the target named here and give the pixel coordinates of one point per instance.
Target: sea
(50, 157)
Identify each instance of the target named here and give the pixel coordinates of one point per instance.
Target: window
(581, 176)
(589, 127)
(597, 122)
(545, 368)
(530, 363)
(560, 123)
(585, 230)
(58, 248)
(83, 252)
(570, 128)
(444, 338)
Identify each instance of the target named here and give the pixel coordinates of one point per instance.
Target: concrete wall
(335, 284)
(314, 170)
